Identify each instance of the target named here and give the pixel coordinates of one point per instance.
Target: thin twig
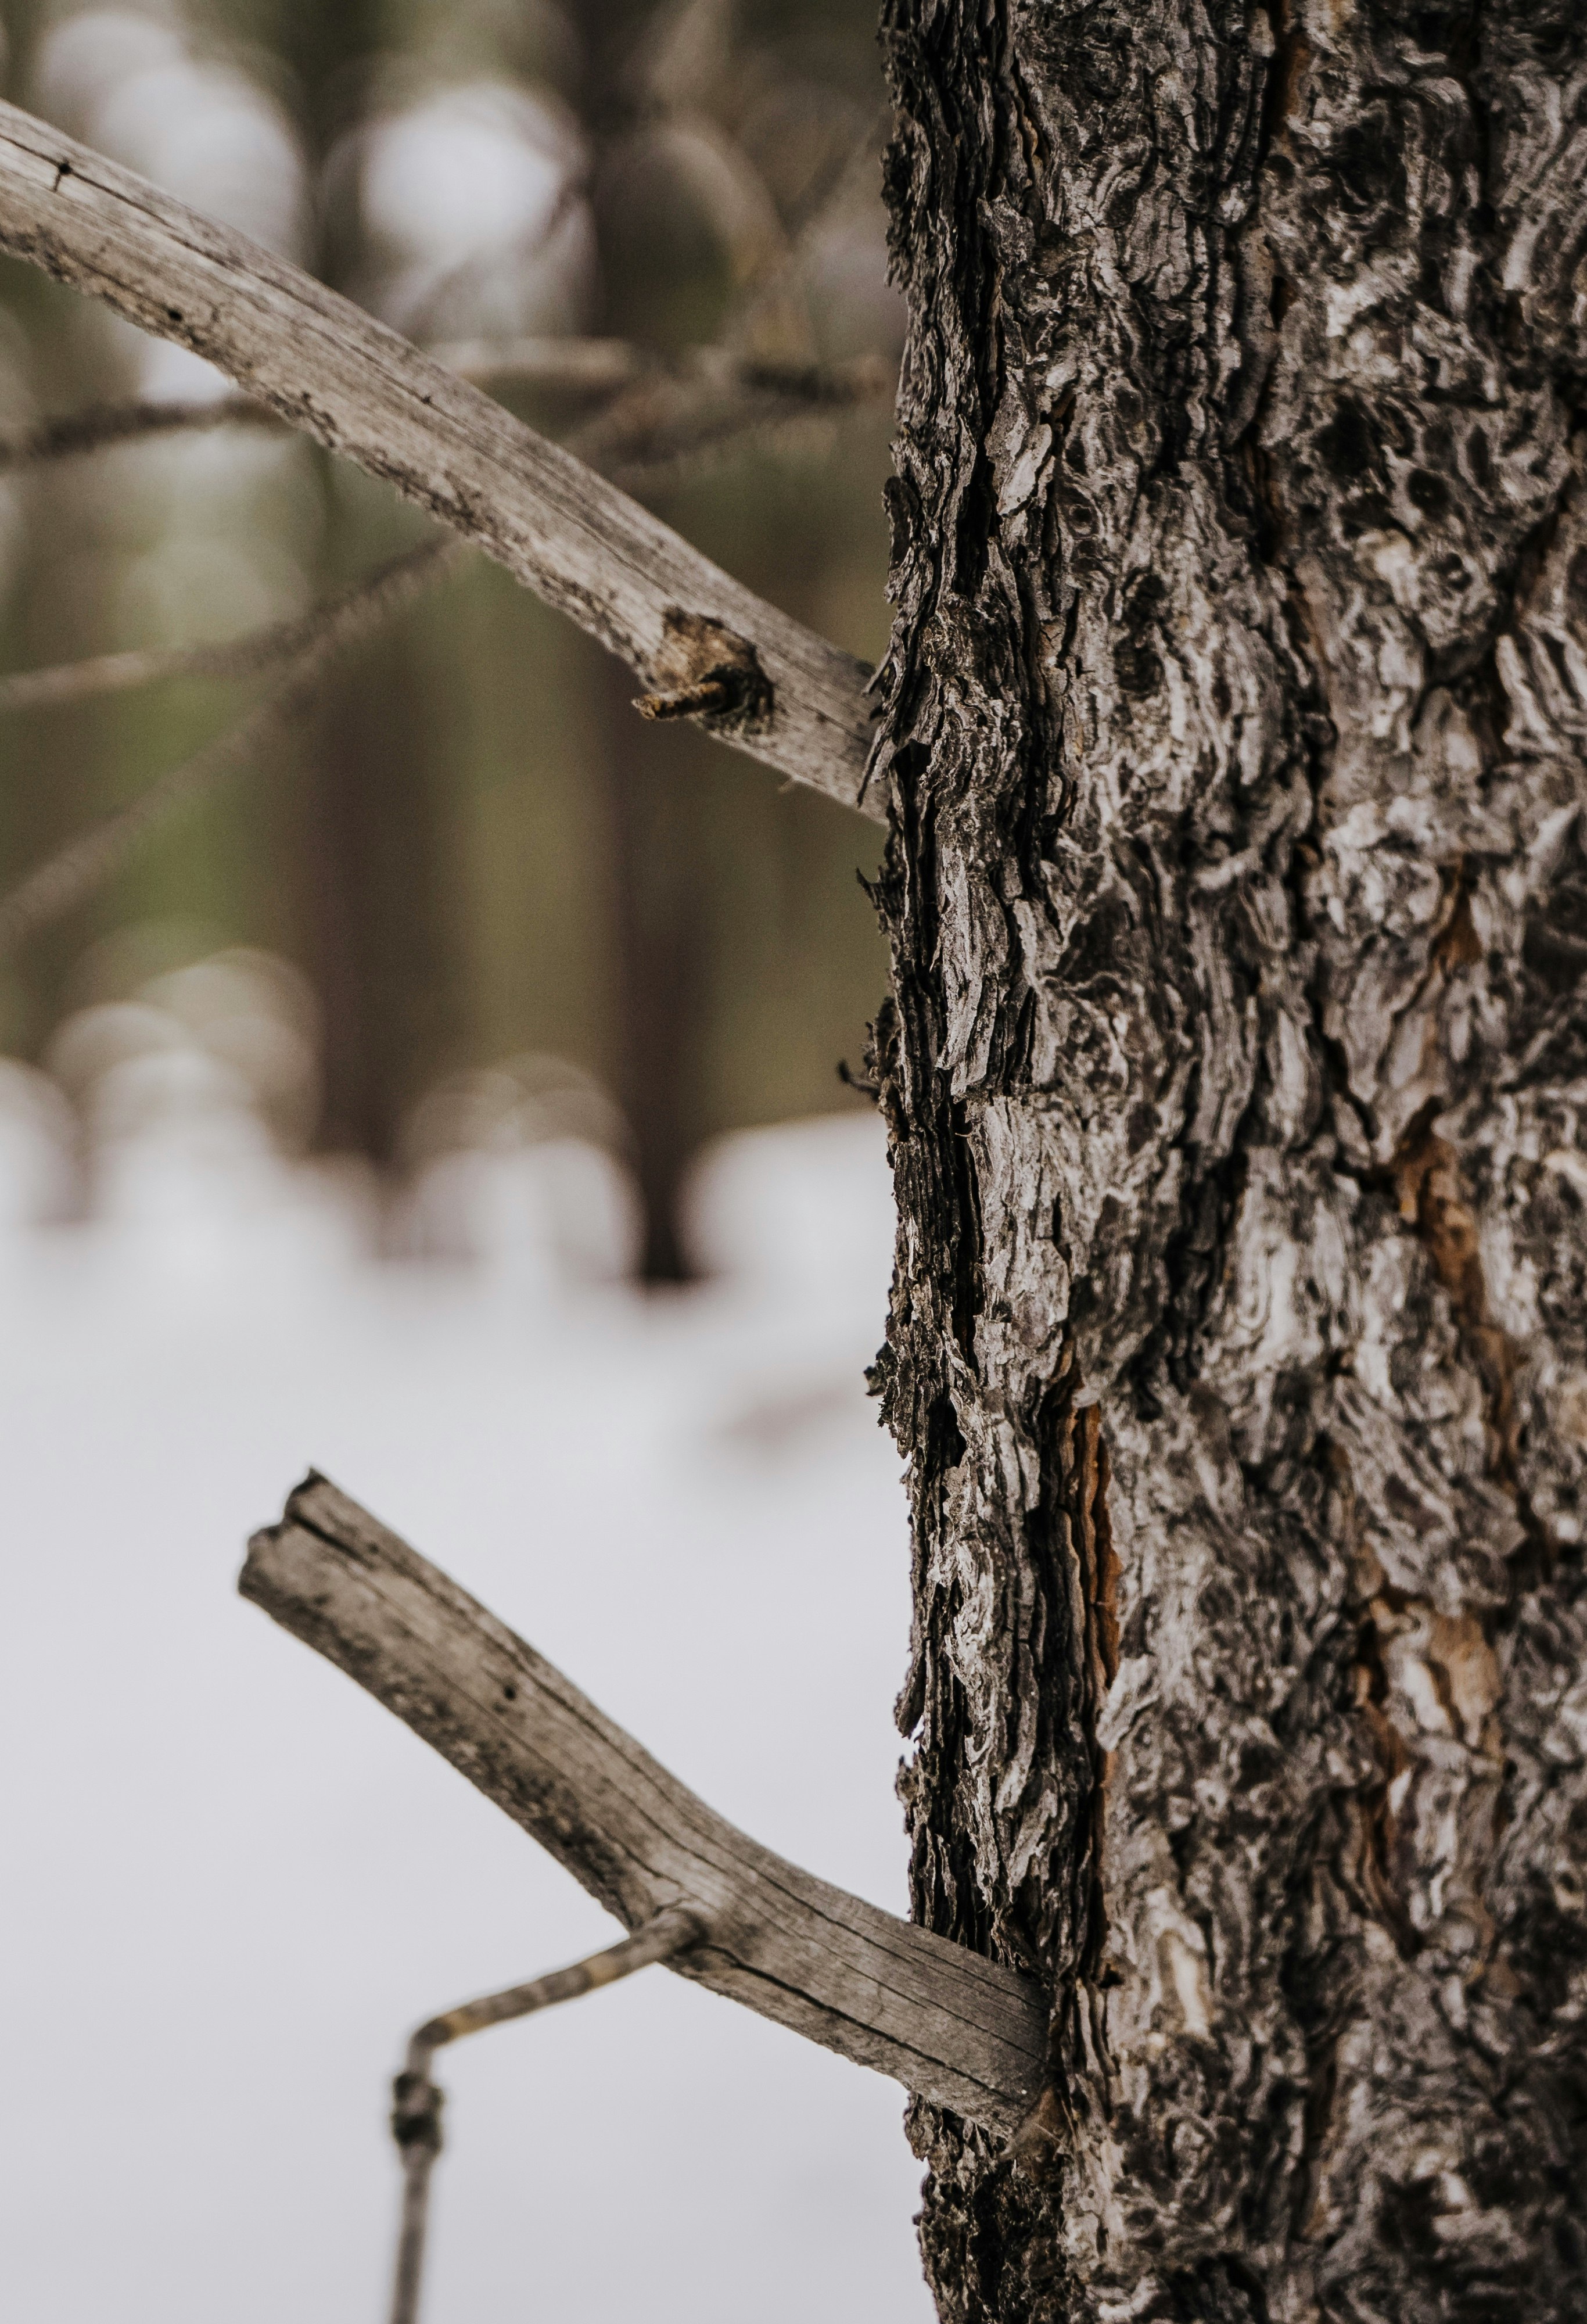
(243, 657)
(696, 382)
(312, 640)
(416, 2103)
(85, 863)
(769, 397)
(825, 203)
(101, 425)
(574, 365)
(716, 403)
(601, 365)
(663, 467)
(592, 366)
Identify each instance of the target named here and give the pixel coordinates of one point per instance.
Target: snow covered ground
(233, 1883)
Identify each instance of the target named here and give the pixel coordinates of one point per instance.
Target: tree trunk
(380, 942)
(1238, 894)
(659, 872)
(383, 941)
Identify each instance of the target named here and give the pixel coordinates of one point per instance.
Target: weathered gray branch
(956, 2028)
(358, 388)
(309, 644)
(692, 417)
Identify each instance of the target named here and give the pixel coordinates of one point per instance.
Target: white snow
(232, 1883)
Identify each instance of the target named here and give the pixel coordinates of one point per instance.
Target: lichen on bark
(1235, 1069)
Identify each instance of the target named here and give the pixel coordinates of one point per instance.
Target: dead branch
(962, 2031)
(715, 402)
(711, 375)
(365, 392)
(102, 425)
(86, 863)
(713, 673)
(716, 398)
(245, 656)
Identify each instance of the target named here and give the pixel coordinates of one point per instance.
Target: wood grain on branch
(955, 2027)
(358, 388)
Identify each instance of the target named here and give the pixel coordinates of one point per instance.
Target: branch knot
(705, 671)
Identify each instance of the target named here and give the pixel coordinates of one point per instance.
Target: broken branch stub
(962, 2031)
(704, 670)
(332, 372)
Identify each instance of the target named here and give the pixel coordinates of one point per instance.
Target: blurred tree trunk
(659, 878)
(382, 946)
(660, 888)
(380, 930)
(1238, 894)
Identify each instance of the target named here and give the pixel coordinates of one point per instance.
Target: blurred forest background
(467, 898)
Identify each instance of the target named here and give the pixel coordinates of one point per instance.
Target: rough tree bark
(1238, 891)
